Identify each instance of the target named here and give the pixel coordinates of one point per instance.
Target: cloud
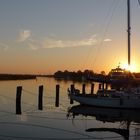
(32, 46)
(4, 46)
(24, 35)
(52, 43)
(25, 38)
(107, 40)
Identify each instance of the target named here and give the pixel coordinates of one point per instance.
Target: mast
(128, 31)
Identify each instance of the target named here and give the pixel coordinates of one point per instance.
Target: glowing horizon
(42, 37)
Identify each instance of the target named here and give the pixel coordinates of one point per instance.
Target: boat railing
(74, 91)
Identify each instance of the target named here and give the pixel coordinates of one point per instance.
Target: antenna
(128, 31)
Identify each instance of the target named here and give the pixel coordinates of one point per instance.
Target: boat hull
(125, 103)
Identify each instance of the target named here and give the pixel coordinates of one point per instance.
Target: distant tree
(103, 73)
(88, 73)
(58, 74)
(79, 75)
(66, 71)
(79, 71)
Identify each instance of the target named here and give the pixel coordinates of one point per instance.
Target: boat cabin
(118, 73)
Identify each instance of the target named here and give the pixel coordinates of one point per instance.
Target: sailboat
(124, 98)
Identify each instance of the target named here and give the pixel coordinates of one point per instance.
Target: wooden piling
(100, 86)
(72, 90)
(83, 89)
(103, 84)
(40, 98)
(57, 96)
(18, 100)
(92, 88)
(106, 86)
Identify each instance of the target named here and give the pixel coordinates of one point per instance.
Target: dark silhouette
(106, 115)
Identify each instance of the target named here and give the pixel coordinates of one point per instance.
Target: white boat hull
(125, 103)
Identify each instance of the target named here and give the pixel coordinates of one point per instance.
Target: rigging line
(114, 6)
(100, 43)
(139, 2)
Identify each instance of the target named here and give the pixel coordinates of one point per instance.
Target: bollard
(83, 89)
(106, 86)
(92, 88)
(100, 86)
(57, 96)
(18, 100)
(103, 86)
(40, 98)
(72, 91)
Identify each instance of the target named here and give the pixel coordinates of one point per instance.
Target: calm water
(68, 122)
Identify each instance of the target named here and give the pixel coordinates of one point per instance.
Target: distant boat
(124, 97)
(117, 76)
(118, 73)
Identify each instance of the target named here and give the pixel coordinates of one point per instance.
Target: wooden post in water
(18, 100)
(57, 96)
(106, 87)
(100, 86)
(103, 86)
(40, 98)
(92, 88)
(72, 90)
(83, 89)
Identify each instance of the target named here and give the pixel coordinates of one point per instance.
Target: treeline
(79, 75)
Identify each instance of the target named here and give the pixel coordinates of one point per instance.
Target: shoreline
(4, 77)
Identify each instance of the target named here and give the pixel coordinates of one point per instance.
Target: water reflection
(35, 124)
(125, 117)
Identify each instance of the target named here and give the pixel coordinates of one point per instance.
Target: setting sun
(132, 67)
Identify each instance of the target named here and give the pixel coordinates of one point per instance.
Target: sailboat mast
(128, 31)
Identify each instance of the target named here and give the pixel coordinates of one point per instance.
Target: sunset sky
(43, 36)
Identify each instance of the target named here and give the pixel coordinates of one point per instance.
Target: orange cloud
(52, 43)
